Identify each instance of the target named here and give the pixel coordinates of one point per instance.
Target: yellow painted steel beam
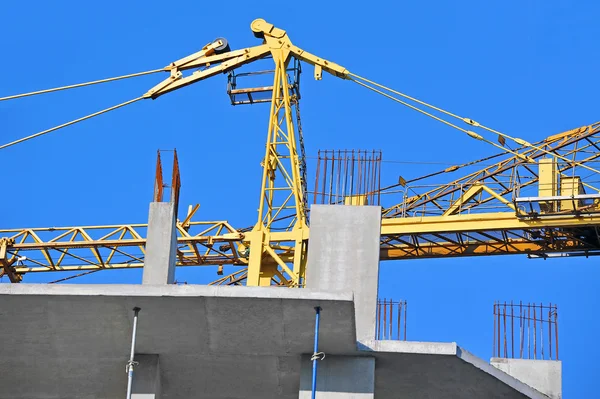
(60, 255)
(447, 249)
(581, 145)
(97, 247)
(481, 222)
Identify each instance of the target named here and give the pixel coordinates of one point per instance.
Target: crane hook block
(223, 47)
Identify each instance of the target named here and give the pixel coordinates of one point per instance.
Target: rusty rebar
(556, 329)
(345, 174)
(158, 180)
(324, 178)
(504, 314)
(542, 331)
(317, 177)
(391, 320)
(176, 182)
(494, 335)
(550, 331)
(522, 327)
(380, 319)
(339, 176)
(534, 334)
(532, 346)
(399, 318)
(384, 318)
(405, 311)
(499, 350)
(512, 330)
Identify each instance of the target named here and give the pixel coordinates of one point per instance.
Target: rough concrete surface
(427, 370)
(146, 384)
(73, 341)
(213, 342)
(350, 377)
(344, 255)
(543, 375)
(161, 245)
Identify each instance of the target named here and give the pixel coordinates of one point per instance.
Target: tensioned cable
(94, 82)
(465, 120)
(75, 276)
(468, 132)
(450, 169)
(70, 123)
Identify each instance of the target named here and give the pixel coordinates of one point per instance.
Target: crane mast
(532, 200)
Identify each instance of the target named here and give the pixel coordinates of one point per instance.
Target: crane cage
(262, 85)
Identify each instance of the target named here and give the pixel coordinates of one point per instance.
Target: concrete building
(242, 342)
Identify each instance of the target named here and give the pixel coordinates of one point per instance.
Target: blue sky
(528, 68)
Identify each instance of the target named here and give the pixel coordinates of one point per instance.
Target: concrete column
(146, 378)
(343, 254)
(161, 244)
(543, 375)
(348, 377)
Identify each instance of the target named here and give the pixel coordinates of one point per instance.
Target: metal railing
(529, 327)
(391, 320)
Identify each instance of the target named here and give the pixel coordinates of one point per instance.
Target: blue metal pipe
(315, 358)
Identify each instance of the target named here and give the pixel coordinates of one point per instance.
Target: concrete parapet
(349, 377)
(343, 255)
(161, 244)
(543, 375)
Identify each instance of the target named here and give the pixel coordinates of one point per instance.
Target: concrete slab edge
(448, 349)
(412, 347)
(500, 375)
(173, 291)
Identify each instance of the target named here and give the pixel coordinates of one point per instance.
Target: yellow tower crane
(487, 212)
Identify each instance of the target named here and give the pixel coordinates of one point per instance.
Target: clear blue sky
(524, 67)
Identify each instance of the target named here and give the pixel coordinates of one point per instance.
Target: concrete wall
(347, 377)
(161, 244)
(343, 254)
(146, 377)
(543, 375)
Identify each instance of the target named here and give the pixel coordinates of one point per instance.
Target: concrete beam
(543, 375)
(161, 244)
(348, 377)
(343, 255)
(146, 378)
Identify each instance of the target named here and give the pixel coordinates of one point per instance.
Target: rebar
(343, 175)
(389, 326)
(532, 346)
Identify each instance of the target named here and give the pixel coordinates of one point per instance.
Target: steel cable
(70, 123)
(468, 121)
(94, 82)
